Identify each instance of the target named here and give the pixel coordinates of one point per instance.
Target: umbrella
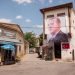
(8, 47)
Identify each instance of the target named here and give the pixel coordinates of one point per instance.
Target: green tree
(30, 37)
(41, 39)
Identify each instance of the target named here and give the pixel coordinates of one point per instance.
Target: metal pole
(43, 27)
(73, 54)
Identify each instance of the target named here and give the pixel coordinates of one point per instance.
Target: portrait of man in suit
(56, 35)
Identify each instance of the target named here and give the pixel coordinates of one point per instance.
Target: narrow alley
(31, 65)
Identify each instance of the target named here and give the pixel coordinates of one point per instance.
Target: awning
(5, 43)
(4, 39)
(8, 47)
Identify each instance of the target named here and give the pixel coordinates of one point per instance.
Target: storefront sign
(8, 34)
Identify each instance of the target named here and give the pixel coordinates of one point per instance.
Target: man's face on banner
(53, 26)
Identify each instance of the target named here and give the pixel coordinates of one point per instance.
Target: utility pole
(43, 27)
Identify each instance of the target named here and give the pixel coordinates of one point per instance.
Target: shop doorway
(8, 53)
(58, 54)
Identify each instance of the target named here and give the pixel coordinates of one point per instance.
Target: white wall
(65, 54)
(73, 30)
(55, 12)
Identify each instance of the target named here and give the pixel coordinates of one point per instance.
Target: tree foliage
(41, 39)
(30, 37)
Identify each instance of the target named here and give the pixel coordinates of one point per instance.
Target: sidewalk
(31, 57)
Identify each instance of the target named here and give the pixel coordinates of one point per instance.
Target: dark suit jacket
(60, 37)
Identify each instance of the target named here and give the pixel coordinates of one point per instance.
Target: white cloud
(28, 20)
(5, 20)
(43, 1)
(39, 26)
(22, 1)
(50, 1)
(19, 17)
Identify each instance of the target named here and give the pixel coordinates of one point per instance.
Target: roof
(13, 27)
(5, 40)
(67, 5)
(10, 26)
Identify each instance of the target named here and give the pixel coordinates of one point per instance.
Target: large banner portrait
(56, 31)
(55, 25)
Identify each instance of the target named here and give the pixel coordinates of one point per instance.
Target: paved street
(31, 65)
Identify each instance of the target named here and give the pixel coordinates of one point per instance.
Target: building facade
(12, 42)
(66, 14)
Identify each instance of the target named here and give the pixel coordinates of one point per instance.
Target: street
(31, 65)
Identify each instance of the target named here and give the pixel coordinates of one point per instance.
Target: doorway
(8, 53)
(57, 50)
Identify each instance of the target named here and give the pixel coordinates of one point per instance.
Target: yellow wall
(22, 44)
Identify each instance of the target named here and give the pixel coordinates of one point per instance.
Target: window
(9, 34)
(60, 14)
(62, 18)
(50, 16)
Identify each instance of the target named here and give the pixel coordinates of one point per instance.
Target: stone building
(12, 41)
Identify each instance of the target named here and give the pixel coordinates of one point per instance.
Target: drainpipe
(69, 15)
(43, 27)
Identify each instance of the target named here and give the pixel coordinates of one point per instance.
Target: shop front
(12, 45)
(8, 52)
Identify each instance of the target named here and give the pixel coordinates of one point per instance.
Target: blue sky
(26, 13)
